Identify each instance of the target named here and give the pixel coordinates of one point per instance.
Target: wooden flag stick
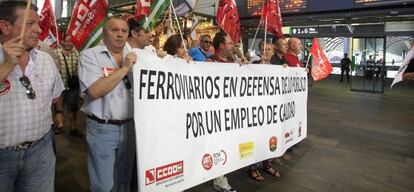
(307, 62)
(179, 26)
(265, 39)
(26, 15)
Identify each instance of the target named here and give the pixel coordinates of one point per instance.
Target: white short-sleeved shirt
(23, 119)
(94, 64)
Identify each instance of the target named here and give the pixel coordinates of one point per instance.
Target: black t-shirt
(276, 60)
(345, 63)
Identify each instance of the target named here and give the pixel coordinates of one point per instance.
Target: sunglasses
(127, 82)
(29, 89)
(209, 42)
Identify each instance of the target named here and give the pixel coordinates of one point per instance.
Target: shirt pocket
(43, 87)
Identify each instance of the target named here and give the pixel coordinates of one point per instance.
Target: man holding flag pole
(29, 83)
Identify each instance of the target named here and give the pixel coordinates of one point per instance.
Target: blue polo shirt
(198, 55)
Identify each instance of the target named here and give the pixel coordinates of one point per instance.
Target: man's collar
(203, 50)
(104, 49)
(221, 59)
(33, 53)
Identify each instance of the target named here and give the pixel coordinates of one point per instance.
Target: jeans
(111, 150)
(346, 71)
(30, 170)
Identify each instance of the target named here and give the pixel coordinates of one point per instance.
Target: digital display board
(292, 6)
(373, 3)
(254, 7)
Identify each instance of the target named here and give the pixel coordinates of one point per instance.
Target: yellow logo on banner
(246, 149)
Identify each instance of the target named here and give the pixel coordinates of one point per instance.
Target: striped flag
(157, 7)
(142, 8)
(86, 26)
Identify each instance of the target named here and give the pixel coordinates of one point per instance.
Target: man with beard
(223, 46)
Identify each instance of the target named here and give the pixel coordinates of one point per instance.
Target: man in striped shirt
(68, 62)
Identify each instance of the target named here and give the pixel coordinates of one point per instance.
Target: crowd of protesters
(61, 77)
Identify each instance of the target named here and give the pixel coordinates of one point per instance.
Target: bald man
(105, 74)
(294, 49)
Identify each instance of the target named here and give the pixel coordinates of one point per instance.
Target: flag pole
(265, 38)
(26, 15)
(179, 26)
(307, 62)
(57, 32)
(255, 35)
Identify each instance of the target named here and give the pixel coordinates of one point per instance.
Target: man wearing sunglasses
(29, 82)
(203, 52)
(105, 74)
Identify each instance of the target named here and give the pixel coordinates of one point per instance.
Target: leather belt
(112, 122)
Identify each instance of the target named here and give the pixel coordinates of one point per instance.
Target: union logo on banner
(86, 26)
(218, 158)
(167, 173)
(207, 161)
(273, 143)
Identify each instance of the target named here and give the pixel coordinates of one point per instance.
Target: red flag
(228, 19)
(48, 25)
(271, 10)
(321, 68)
(85, 27)
(143, 8)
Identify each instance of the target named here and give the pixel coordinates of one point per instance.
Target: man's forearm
(408, 76)
(105, 85)
(59, 103)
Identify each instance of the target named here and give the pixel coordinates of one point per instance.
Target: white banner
(195, 122)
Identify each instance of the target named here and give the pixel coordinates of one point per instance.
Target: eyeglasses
(209, 42)
(127, 82)
(29, 89)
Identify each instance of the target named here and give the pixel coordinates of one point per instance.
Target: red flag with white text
(271, 10)
(86, 26)
(142, 8)
(228, 19)
(321, 68)
(48, 25)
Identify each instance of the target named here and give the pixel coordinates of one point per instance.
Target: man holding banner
(105, 79)
(223, 46)
(29, 83)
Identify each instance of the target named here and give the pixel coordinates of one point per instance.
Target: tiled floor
(357, 142)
